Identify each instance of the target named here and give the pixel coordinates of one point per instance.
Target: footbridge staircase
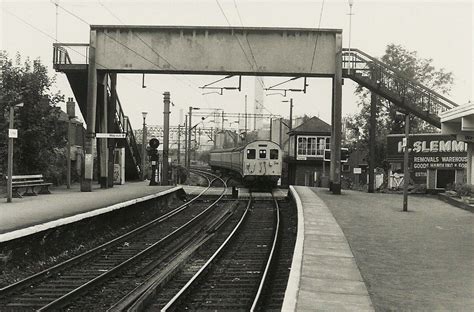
(409, 95)
(76, 70)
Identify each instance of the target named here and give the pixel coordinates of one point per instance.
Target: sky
(441, 30)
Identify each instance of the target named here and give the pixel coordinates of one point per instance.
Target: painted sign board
(465, 137)
(357, 170)
(110, 135)
(13, 133)
(429, 151)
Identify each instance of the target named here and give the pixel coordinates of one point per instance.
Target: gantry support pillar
(111, 111)
(102, 143)
(88, 170)
(336, 135)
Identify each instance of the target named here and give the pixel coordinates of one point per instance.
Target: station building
(305, 164)
(436, 160)
(459, 122)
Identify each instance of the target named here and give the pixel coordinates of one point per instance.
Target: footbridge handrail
(126, 127)
(357, 60)
(61, 55)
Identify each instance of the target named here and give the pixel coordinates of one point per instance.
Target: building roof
(312, 125)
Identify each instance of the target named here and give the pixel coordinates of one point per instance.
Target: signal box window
(262, 154)
(251, 153)
(273, 154)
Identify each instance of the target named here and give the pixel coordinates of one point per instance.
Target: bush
(463, 189)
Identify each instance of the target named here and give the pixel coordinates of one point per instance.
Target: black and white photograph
(237, 155)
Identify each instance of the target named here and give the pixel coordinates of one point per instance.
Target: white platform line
(292, 288)
(55, 223)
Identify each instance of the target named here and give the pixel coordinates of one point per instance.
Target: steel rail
(276, 237)
(136, 299)
(97, 250)
(63, 300)
(90, 253)
(195, 277)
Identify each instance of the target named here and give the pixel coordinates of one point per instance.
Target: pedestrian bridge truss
(392, 85)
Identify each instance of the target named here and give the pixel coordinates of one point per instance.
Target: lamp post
(12, 133)
(351, 3)
(144, 144)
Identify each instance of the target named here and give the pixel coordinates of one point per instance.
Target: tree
(42, 137)
(411, 66)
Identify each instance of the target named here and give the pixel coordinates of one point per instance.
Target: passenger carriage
(258, 163)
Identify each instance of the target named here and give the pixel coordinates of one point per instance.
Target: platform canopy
(216, 50)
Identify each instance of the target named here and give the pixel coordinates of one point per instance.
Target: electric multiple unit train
(258, 163)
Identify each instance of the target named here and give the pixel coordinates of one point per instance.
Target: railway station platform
(32, 214)
(324, 275)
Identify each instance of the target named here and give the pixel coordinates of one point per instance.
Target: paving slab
(420, 260)
(324, 274)
(27, 215)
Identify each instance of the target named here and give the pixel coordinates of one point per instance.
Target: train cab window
(262, 154)
(273, 154)
(250, 153)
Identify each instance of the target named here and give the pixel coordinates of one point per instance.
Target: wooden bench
(29, 182)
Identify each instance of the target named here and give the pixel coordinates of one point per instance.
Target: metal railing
(126, 127)
(357, 63)
(70, 53)
(62, 56)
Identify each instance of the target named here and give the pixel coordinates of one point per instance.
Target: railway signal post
(153, 153)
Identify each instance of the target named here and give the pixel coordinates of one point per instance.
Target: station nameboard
(110, 135)
(433, 151)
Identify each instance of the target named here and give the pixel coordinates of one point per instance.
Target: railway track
(234, 277)
(63, 284)
(228, 272)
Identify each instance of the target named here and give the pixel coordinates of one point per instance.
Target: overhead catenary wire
(240, 43)
(127, 47)
(144, 42)
(248, 43)
(72, 49)
(318, 34)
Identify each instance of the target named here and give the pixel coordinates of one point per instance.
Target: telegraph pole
(372, 131)
(222, 121)
(186, 141)
(10, 157)
(166, 136)
(406, 174)
(291, 114)
(70, 107)
(11, 135)
(195, 142)
(271, 119)
(246, 113)
(179, 144)
(280, 132)
(188, 164)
